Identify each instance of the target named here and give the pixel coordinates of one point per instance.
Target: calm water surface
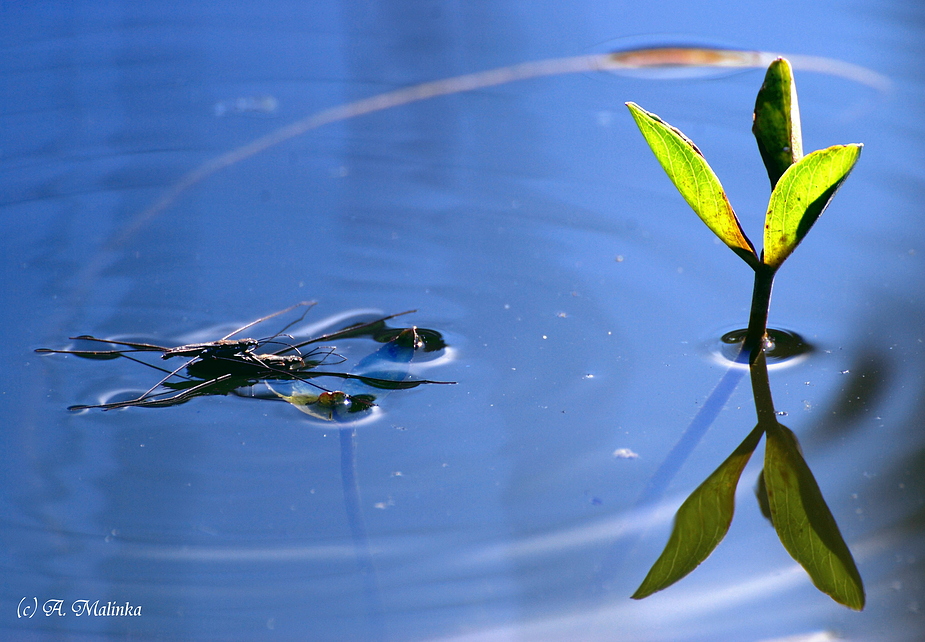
(530, 225)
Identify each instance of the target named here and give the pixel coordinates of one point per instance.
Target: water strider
(227, 364)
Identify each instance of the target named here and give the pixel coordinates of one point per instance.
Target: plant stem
(758, 317)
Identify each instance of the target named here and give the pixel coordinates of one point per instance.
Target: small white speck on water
(624, 453)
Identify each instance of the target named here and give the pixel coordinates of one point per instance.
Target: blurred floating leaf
(692, 175)
(800, 197)
(777, 121)
(803, 521)
(701, 522)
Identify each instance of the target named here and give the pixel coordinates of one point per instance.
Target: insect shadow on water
(228, 364)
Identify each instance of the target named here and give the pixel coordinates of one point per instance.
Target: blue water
(531, 226)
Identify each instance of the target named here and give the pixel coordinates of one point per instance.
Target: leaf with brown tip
(694, 178)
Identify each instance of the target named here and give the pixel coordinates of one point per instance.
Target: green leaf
(803, 521)
(800, 197)
(777, 121)
(701, 522)
(694, 178)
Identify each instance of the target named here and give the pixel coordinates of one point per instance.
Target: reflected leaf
(804, 523)
(701, 522)
(777, 120)
(692, 175)
(800, 197)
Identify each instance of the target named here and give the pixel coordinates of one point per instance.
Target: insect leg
(345, 332)
(154, 400)
(269, 316)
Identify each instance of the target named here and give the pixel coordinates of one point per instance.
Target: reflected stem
(761, 390)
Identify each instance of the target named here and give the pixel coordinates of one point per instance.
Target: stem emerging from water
(756, 340)
(756, 335)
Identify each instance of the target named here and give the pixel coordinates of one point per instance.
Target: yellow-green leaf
(804, 523)
(692, 175)
(800, 197)
(777, 120)
(701, 522)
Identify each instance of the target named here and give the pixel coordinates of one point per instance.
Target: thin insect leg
(145, 394)
(378, 382)
(151, 365)
(327, 351)
(154, 400)
(330, 352)
(270, 340)
(107, 353)
(140, 347)
(136, 347)
(310, 305)
(101, 353)
(269, 316)
(344, 332)
(182, 396)
(288, 373)
(90, 353)
(282, 332)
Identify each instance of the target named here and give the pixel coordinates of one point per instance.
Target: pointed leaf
(803, 521)
(701, 522)
(777, 120)
(694, 178)
(800, 197)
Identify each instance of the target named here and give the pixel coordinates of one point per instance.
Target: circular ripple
(783, 348)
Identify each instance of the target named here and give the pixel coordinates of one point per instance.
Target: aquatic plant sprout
(802, 188)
